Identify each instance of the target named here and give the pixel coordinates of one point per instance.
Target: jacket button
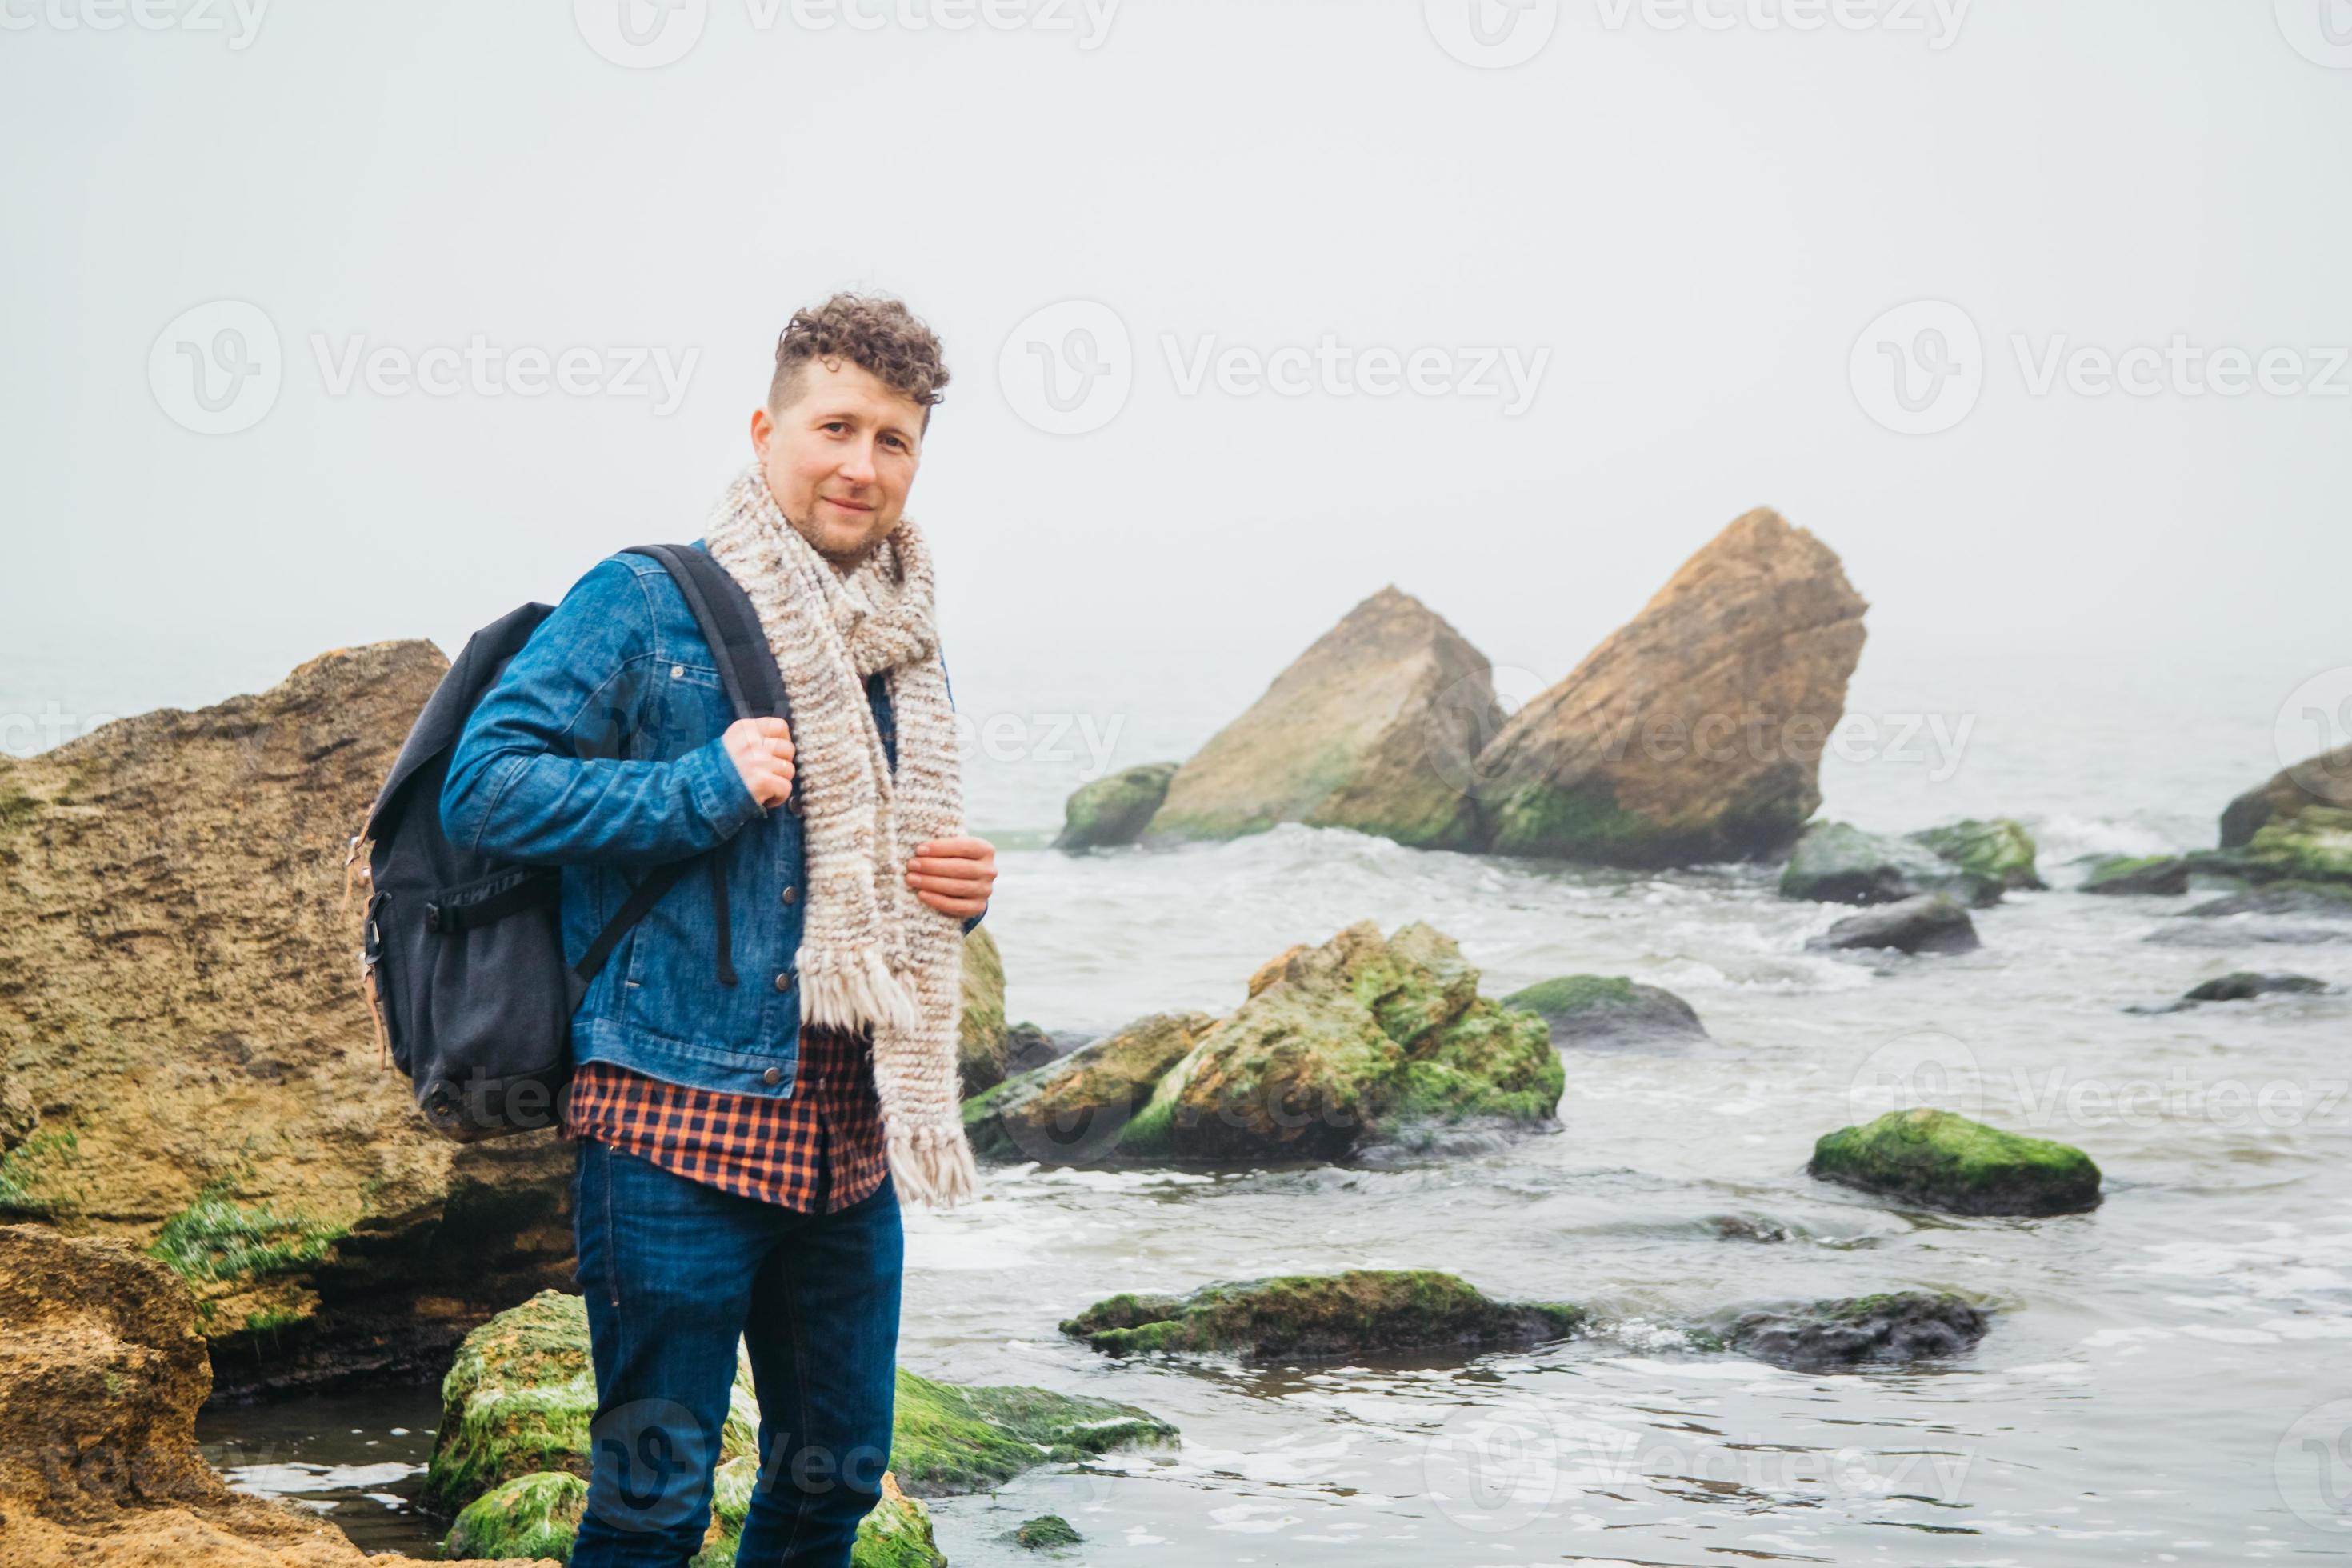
(773, 1075)
(785, 980)
(791, 894)
(678, 672)
(792, 804)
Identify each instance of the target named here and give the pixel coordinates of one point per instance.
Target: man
(766, 1064)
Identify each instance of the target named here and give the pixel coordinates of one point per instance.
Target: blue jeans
(673, 1271)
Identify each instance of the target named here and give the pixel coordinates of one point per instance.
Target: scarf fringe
(849, 989)
(933, 1166)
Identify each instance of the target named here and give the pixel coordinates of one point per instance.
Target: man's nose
(857, 464)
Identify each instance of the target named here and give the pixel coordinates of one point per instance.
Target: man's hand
(761, 750)
(954, 875)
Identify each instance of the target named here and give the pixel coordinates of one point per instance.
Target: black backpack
(462, 955)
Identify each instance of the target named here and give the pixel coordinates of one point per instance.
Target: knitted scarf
(871, 951)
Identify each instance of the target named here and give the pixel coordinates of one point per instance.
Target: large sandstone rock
(180, 1004)
(101, 1369)
(1694, 732)
(1373, 727)
(2323, 781)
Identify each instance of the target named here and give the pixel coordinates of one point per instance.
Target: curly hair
(874, 331)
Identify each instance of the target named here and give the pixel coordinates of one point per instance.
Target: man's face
(841, 458)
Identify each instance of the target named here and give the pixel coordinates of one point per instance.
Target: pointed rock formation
(1373, 727)
(1694, 732)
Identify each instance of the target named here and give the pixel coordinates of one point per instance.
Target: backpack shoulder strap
(746, 666)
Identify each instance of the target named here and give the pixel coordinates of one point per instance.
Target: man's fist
(954, 875)
(762, 753)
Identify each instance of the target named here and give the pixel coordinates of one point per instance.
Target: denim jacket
(598, 749)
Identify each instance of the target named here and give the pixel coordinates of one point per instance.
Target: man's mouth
(846, 505)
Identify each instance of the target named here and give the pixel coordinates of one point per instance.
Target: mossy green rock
(1608, 1009)
(895, 1533)
(1359, 1041)
(2323, 781)
(515, 1403)
(536, 1515)
(1943, 1161)
(1045, 1531)
(2314, 845)
(1074, 1109)
(950, 1439)
(1113, 809)
(1999, 850)
(518, 1404)
(1361, 1311)
(2165, 875)
(1836, 863)
(980, 1028)
(519, 1397)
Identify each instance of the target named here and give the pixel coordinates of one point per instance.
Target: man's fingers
(961, 849)
(953, 886)
(958, 870)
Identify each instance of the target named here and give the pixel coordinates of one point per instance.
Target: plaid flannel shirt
(818, 1151)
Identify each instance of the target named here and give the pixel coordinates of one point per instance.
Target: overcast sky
(1686, 239)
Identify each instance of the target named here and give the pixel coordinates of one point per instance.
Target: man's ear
(764, 426)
